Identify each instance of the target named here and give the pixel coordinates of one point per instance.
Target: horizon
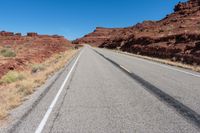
(52, 17)
(120, 66)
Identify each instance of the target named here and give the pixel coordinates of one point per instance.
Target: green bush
(7, 53)
(12, 76)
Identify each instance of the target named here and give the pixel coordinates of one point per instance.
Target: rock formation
(32, 34)
(175, 37)
(4, 33)
(97, 37)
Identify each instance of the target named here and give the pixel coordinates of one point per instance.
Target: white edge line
(160, 64)
(157, 63)
(47, 114)
(169, 67)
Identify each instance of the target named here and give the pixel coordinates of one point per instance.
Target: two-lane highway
(107, 92)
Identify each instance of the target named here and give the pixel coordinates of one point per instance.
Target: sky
(75, 18)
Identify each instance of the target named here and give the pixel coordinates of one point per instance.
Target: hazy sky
(74, 18)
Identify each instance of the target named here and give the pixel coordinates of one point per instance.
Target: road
(102, 91)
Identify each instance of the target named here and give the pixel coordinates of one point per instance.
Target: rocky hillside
(98, 37)
(17, 51)
(176, 37)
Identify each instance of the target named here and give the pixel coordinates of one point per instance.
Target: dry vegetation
(7, 52)
(16, 85)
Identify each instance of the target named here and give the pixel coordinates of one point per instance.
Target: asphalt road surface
(106, 92)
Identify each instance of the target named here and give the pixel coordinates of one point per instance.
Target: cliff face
(97, 37)
(176, 37)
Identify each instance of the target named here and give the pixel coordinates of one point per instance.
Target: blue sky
(74, 18)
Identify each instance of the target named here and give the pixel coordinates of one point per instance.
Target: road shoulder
(18, 114)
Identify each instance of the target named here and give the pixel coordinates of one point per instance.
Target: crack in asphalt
(58, 111)
(186, 112)
(63, 100)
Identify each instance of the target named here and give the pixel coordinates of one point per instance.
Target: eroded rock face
(176, 37)
(187, 5)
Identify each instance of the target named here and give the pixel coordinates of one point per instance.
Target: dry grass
(12, 76)
(7, 52)
(165, 61)
(15, 87)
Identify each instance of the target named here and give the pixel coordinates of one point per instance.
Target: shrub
(25, 87)
(7, 53)
(12, 76)
(37, 67)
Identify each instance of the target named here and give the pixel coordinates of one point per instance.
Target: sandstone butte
(175, 37)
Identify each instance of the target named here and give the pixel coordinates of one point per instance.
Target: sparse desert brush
(58, 56)
(37, 67)
(7, 52)
(25, 87)
(3, 112)
(7, 46)
(17, 85)
(12, 76)
(9, 99)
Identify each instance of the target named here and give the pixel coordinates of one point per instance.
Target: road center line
(47, 114)
(125, 68)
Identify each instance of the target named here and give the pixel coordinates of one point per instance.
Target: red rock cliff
(176, 37)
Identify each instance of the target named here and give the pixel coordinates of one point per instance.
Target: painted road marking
(170, 67)
(162, 65)
(47, 114)
(124, 68)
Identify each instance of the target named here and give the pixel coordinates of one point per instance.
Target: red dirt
(32, 48)
(175, 37)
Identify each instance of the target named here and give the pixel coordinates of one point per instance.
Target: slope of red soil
(32, 48)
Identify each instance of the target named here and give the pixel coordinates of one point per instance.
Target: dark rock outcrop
(187, 5)
(4, 33)
(32, 34)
